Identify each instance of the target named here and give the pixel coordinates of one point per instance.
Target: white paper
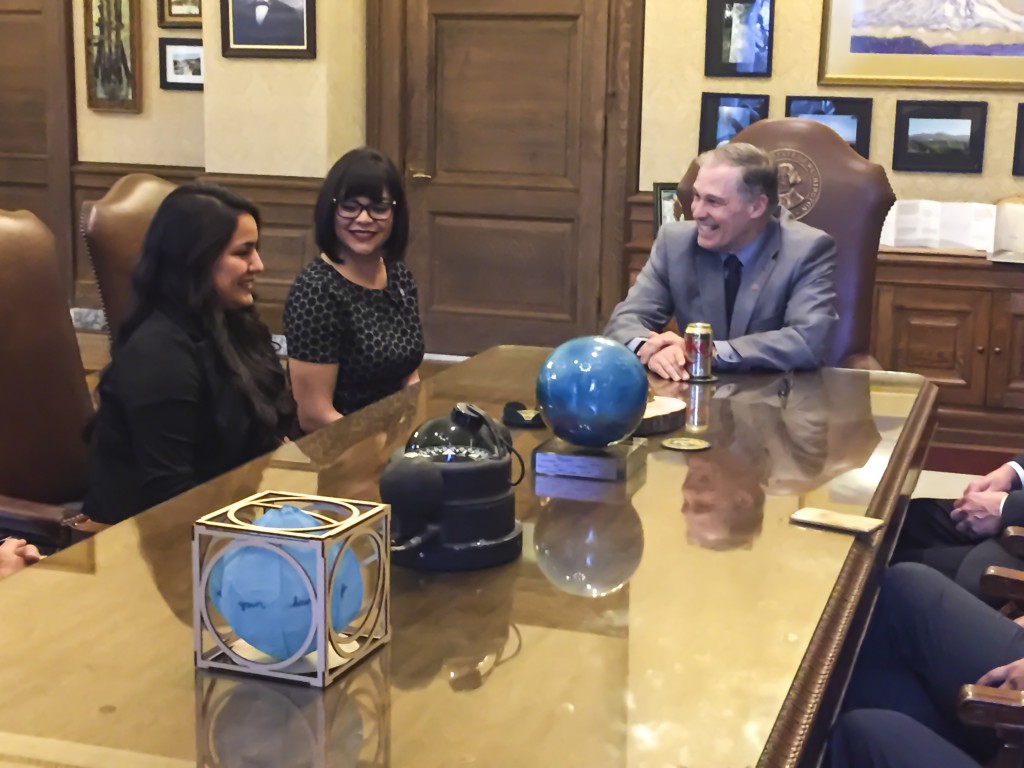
(934, 224)
(1009, 229)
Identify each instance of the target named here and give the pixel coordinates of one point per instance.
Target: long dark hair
(192, 228)
(362, 172)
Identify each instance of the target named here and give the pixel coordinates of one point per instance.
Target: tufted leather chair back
(826, 184)
(114, 227)
(44, 400)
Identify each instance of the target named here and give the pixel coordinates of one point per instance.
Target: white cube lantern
(302, 600)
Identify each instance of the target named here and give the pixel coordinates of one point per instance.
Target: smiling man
(763, 280)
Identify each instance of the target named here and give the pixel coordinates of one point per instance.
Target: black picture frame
(1018, 144)
(664, 195)
(849, 117)
(287, 31)
(179, 58)
(723, 115)
(739, 38)
(179, 14)
(939, 136)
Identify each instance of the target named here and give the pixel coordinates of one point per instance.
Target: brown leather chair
(44, 401)
(826, 184)
(114, 227)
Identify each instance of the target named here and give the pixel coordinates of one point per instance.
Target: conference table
(677, 618)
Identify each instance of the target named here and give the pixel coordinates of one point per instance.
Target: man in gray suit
(763, 280)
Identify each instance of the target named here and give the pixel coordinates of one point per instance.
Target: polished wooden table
(678, 619)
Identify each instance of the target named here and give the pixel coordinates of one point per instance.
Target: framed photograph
(113, 55)
(181, 64)
(665, 203)
(723, 115)
(876, 42)
(850, 118)
(1018, 146)
(939, 136)
(739, 38)
(179, 14)
(268, 29)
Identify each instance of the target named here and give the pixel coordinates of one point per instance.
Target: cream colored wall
(674, 80)
(169, 131)
(266, 117)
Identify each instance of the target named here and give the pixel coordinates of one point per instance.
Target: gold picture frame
(864, 59)
(179, 14)
(113, 55)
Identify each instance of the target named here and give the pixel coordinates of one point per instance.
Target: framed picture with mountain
(939, 136)
(946, 45)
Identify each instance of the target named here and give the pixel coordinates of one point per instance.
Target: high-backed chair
(826, 184)
(114, 227)
(44, 401)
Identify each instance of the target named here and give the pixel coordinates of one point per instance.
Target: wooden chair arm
(1012, 540)
(862, 361)
(987, 707)
(1007, 583)
(46, 524)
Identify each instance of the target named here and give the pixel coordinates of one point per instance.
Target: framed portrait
(1018, 146)
(739, 38)
(268, 29)
(939, 136)
(723, 115)
(113, 55)
(664, 203)
(179, 14)
(876, 42)
(181, 64)
(850, 118)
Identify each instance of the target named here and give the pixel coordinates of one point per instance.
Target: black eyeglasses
(351, 209)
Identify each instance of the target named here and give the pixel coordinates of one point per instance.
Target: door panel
(1006, 357)
(505, 161)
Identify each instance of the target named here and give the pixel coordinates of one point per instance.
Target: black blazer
(170, 418)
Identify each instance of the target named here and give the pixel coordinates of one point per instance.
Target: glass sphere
(592, 391)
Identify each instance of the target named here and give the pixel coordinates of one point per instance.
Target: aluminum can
(698, 408)
(697, 338)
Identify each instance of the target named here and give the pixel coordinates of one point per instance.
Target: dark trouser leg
(930, 537)
(879, 738)
(927, 638)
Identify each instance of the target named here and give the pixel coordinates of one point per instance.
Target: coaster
(703, 379)
(685, 444)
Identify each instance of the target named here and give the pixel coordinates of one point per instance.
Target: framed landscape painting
(664, 203)
(739, 38)
(849, 117)
(179, 14)
(181, 64)
(931, 42)
(113, 46)
(939, 136)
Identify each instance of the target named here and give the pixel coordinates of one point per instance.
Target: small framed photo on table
(850, 118)
(939, 136)
(738, 40)
(665, 202)
(181, 64)
(723, 115)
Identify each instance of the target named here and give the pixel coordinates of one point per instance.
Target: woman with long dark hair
(194, 387)
(352, 317)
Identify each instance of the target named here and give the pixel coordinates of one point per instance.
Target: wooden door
(941, 333)
(504, 157)
(1006, 353)
(37, 115)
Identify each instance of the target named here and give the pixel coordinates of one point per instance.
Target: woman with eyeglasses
(352, 317)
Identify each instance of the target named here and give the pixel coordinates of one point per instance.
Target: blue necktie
(733, 273)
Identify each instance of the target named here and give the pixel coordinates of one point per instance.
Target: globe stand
(361, 528)
(612, 463)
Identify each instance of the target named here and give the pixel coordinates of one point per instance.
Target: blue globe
(592, 391)
(265, 601)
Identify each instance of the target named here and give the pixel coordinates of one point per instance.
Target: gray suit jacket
(785, 309)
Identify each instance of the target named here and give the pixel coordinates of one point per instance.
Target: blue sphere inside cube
(264, 599)
(592, 391)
